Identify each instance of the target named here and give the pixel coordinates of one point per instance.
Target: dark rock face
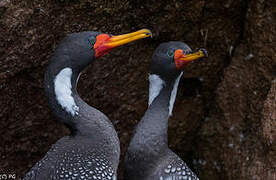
(224, 131)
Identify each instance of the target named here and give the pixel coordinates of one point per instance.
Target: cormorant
(148, 156)
(92, 150)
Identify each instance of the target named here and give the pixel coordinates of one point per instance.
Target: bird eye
(170, 53)
(92, 40)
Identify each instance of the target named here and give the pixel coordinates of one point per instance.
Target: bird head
(170, 58)
(78, 50)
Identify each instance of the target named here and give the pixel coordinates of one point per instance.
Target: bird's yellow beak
(181, 59)
(105, 43)
(120, 40)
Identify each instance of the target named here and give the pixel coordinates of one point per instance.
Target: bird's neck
(69, 108)
(157, 84)
(82, 119)
(152, 129)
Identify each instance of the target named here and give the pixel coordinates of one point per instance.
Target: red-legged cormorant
(148, 156)
(92, 150)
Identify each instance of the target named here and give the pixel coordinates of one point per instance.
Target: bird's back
(72, 158)
(168, 166)
(173, 167)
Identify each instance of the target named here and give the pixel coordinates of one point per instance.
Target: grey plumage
(73, 159)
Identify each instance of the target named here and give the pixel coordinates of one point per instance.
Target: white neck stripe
(63, 91)
(173, 93)
(155, 87)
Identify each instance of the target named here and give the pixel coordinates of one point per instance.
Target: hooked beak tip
(149, 34)
(204, 51)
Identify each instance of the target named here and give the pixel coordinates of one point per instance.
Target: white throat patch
(63, 91)
(174, 92)
(156, 85)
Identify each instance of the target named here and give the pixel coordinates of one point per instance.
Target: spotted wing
(71, 161)
(177, 170)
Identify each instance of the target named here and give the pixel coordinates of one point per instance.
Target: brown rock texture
(223, 124)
